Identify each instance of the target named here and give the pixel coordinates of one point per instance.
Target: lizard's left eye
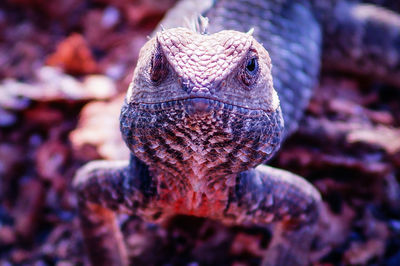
(252, 66)
(158, 68)
(250, 71)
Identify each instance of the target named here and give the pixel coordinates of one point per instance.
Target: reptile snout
(197, 106)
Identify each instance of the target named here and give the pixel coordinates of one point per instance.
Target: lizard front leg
(267, 195)
(104, 188)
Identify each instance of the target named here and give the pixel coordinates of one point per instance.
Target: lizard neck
(195, 154)
(193, 194)
(194, 176)
(199, 151)
(188, 193)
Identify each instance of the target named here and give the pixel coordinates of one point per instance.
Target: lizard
(206, 109)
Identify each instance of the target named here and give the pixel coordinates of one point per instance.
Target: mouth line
(212, 101)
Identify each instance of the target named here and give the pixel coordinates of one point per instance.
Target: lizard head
(202, 103)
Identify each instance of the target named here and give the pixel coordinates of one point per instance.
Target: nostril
(200, 90)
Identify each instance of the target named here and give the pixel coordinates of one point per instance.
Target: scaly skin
(202, 112)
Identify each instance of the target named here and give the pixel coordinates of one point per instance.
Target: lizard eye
(158, 68)
(250, 72)
(252, 66)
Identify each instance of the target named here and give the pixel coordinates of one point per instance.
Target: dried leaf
(385, 137)
(73, 56)
(99, 127)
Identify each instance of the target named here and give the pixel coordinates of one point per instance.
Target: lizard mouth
(198, 106)
(201, 105)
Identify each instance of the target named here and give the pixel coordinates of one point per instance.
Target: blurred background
(64, 68)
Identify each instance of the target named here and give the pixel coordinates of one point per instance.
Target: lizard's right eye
(250, 72)
(159, 68)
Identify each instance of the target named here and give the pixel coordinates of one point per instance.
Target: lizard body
(202, 112)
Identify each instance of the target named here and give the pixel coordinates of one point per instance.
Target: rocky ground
(64, 66)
